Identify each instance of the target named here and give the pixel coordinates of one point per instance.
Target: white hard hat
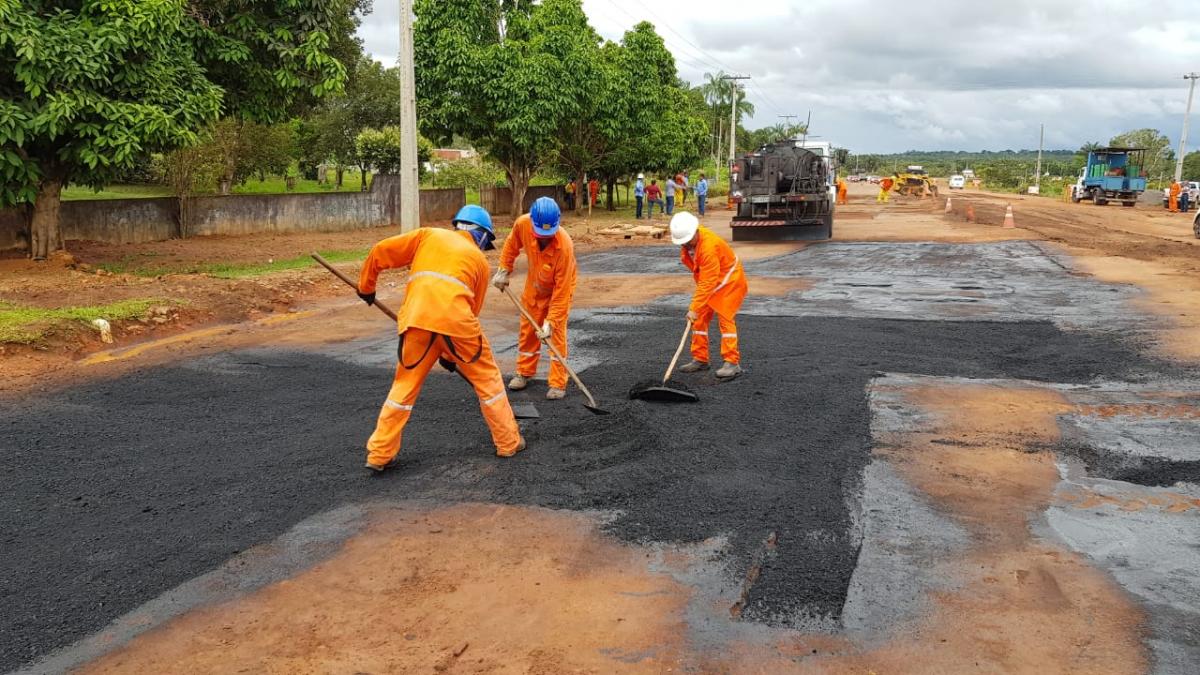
(641, 176)
(683, 228)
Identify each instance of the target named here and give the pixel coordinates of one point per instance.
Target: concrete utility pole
(1186, 117)
(1037, 180)
(789, 119)
(410, 194)
(733, 90)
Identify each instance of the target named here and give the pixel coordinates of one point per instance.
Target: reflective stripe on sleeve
(729, 335)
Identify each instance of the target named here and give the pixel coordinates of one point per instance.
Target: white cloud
(939, 74)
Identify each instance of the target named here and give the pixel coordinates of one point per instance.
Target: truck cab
(1111, 174)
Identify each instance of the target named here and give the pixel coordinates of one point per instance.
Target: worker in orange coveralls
(439, 323)
(842, 191)
(720, 288)
(1173, 201)
(549, 287)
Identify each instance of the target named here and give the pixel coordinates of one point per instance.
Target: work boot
(729, 370)
(520, 447)
(554, 393)
(694, 367)
(379, 468)
(518, 382)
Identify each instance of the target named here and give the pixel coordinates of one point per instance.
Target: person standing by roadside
(842, 191)
(1173, 196)
(672, 186)
(1194, 194)
(571, 189)
(684, 185)
(1185, 198)
(701, 193)
(654, 196)
(639, 193)
(593, 190)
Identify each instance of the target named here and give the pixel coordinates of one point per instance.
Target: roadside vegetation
(28, 325)
(140, 266)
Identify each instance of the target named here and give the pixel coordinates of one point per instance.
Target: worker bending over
(439, 322)
(720, 289)
(549, 287)
(885, 190)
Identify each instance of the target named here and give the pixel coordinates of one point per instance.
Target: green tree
(380, 149)
(371, 100)
(88, 87)
(494, 74)
(1191, 165)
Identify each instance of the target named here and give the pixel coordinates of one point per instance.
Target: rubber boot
(729, 370)
(693, 367)
(518, 382)
(520, 447)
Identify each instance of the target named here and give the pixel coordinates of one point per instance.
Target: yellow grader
(914, 182)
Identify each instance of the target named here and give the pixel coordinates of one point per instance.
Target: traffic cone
(970, 213)
(948, 207)
(1008, 218)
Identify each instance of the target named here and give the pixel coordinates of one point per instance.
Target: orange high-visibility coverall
(1173, 201)
(549, 287)
(447, 281)
(720, 288)
(842, 192)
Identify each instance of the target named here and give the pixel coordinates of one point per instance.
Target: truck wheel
(1196, 226)
(1098, 198)
(1075, 196)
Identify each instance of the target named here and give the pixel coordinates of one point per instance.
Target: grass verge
(131, 265)
(25, 325)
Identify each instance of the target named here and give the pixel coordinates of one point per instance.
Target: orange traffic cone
(948, 207)
(970, 213)
(1008, 218)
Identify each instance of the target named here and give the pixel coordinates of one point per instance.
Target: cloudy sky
(947, 75)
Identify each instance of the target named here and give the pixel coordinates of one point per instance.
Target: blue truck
(1118, 174)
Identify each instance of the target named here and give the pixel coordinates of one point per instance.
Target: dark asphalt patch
(1130, 468)
(118, 491)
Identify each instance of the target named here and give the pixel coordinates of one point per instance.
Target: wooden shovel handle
(679, 350)
(351, 283)
(533, 322)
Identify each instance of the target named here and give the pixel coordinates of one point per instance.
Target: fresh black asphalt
(116, 491)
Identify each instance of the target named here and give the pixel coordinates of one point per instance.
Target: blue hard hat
(475, 215)
(545, 214)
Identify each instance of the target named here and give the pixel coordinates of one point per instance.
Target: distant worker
(639, 193)
(594, 190)
(842, 191)
(1173, 201)
(439, 323)
(549, 287)
(654, 196)
(685, 184)
(720, 288)
(672, 187)
(701, 193)
(885, 190)
(571, 190)
(1184, 198)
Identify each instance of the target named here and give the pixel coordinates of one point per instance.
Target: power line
(700, 53)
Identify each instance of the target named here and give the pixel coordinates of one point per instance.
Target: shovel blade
(596, 410)
(667, 392)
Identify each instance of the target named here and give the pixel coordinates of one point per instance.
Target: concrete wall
(132, 221)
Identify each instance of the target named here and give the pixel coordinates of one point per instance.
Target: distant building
(452, 154)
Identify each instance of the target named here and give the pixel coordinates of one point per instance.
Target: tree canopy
(88, 87)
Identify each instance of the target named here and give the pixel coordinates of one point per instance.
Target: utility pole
(788, 124)
(1186, 117)
(410, 194)
(1037, 180)
(807, 123)
(733, 90)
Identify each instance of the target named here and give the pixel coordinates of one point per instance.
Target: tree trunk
(612, 185)
(44, 233)
(580, 191)
(363, 173)
(518, 180)
(341, 171)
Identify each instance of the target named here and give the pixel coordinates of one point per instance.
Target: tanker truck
(782, 192)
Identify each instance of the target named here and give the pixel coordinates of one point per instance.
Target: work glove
(501, 279)
(447, 364)
(692, 316)
(545, 331)
(368, 298)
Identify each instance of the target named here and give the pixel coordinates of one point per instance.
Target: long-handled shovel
(521, 410)
(659, 391)
(591, 404)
